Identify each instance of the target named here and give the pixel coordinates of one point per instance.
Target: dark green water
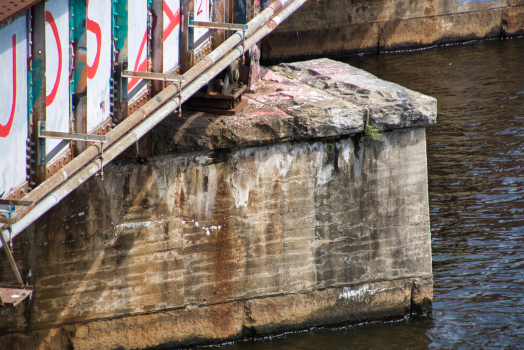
(476, 191)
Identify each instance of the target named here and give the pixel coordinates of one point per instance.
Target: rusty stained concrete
(221, 228)
(341, 27)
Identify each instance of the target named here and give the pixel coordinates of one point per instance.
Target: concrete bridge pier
(308, 208)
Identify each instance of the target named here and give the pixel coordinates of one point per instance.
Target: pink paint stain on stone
(268, 75)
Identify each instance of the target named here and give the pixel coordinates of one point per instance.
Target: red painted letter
(49, 19)
(5, 129)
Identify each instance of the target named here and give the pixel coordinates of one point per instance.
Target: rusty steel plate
(12, 296)
(10, 8)
(219, 111)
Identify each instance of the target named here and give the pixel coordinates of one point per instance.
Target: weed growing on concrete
(373, 133)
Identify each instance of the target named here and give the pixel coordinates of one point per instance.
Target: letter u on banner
(13, 99)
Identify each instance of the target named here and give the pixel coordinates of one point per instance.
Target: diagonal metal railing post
(12, 261)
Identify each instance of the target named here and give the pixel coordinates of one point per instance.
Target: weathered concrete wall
(281, 218)
(341, 27)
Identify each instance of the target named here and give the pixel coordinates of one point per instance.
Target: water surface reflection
(476, 191)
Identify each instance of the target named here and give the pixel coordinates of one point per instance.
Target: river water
(476, 191)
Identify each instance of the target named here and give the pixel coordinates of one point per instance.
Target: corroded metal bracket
(122, 75)
(12, 262)
(175, 78)
(42, 133)
(10, 297)
(154, 76)
(6, 210)
(228, 103)
(212, 26)
(8, 207)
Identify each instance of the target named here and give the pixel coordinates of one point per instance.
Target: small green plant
(373, 133)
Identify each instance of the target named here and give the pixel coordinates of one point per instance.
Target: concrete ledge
(308, 100)
(289, 46)
(420, 32)
(238, 320)
(334, 306)
(319, 38)
(323, 14)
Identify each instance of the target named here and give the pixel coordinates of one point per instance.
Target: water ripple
(476, 190)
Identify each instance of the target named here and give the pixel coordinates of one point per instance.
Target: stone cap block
(390, 105)
(317, 113)
(298, 101)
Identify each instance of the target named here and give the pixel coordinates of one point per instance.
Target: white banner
(202, 13)
(137, 39)
(98, 31)
(171, 54)
(13, 99)
(57, 68)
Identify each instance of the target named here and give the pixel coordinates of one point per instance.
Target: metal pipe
(153, 104)
(235, 40)
(136, 133)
